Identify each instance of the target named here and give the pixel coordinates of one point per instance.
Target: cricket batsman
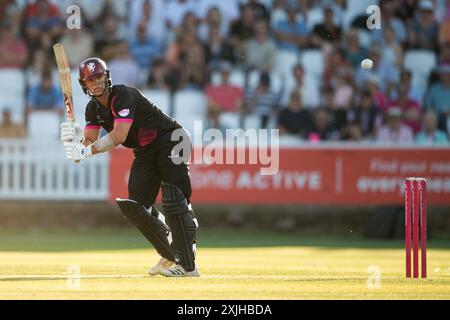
(134, 122)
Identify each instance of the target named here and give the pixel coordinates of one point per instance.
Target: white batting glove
(77, 151)
(71, 132)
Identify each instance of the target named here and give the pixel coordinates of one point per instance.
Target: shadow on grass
(60, 241)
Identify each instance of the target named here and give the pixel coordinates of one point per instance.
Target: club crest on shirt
(124, 112)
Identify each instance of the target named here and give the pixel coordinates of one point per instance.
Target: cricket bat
(65, 80)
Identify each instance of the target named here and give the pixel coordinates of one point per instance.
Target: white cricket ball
(367, 64)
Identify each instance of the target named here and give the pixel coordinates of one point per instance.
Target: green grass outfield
(234, 265)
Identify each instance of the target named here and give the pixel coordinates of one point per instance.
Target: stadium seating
(284, 62)
(229, 120)
(12, 92)
(312, 61)
(237, 78)
(159, 97)
(189, 106)
(420, 63)
(315, 16)
(43, 125)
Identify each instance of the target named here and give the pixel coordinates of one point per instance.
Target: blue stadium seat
(12, 92)
(159, 97)
(420, 62)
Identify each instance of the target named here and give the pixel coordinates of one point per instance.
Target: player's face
(96, 85)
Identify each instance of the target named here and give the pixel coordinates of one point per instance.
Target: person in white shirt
(395, 131)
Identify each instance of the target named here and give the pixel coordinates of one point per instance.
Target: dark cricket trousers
(152, 164)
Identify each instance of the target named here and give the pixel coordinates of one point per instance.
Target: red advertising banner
(315, 175)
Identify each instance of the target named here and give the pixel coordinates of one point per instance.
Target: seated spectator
(292, 33)
(337, 117)
(335, 63)
(42, 16)
(411, 109)
(278, 12)
(261, 100)
(45, 96)
(352, 132)
(9, 129)
(395, 132)
(438, 97)
(107, 37)
(343, 89)
(390, 21)
(392, 50)
(79, 44)
(443, 59)
(310, 95)
(294, 119)
(366, 114)
(328, 31)
(187, 57)
(322, 128)
(160, 77)
(216, 13)
(13, 51)
(430, 134)
(260, 50)
(423, 32)
(414, 92)
(11, 13)
(213, 20)
(354, 52)
(444, 31)
(260, 11)
(379, 98)
(144, 49)
(242, 30)
(225, 96)
(217, 49)
(40, 63)
(123, 67)
(175, 11)
(149, 14)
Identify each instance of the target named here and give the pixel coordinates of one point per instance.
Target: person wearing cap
(394, 131)
(430, 134)
(158, 141)
(438, 96)
(424, 31)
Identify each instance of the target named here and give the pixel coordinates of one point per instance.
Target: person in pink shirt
(225, 96)
(395, 131)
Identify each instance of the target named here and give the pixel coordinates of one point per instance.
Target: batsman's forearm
(103, 144)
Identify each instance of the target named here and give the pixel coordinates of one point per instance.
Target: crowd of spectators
(173, 45)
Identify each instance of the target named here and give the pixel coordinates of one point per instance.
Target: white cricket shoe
(178, 271)
(163, 264)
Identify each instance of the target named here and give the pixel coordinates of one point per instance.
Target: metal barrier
(39, 170)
